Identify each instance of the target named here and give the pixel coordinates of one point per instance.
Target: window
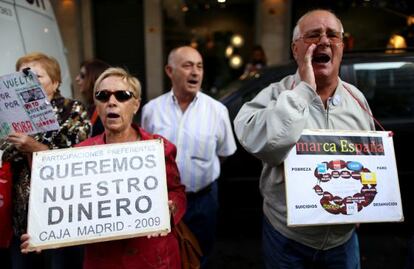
(388, 87)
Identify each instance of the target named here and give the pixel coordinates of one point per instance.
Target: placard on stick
(97, 193)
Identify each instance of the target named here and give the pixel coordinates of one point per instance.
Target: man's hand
(306, 70)
(25, 143)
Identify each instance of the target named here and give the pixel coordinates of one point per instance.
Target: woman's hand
(157, 234)
(24, 246)
(25, 143)
(173, 209)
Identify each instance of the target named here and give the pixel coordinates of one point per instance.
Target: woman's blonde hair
(133, 82)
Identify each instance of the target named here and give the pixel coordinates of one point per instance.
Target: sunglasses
(121, 96)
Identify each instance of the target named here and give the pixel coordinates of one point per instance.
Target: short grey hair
(171, 56)
(296, 31)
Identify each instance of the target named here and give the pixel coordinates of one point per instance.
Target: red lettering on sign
(22, 127)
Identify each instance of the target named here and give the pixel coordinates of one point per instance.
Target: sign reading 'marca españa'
(336, 177)
(98, 193)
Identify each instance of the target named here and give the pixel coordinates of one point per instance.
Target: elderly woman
(74, 127)
(117, 99)
(89, 72)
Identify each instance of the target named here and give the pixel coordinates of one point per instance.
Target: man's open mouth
(321, 58)
(192, 81)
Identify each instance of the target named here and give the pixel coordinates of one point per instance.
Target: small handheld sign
(24, 107)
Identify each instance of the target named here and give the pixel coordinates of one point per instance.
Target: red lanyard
(367, 111)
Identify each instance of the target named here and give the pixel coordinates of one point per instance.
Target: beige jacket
(269, 126)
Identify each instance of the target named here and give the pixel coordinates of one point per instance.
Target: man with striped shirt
(200, 128)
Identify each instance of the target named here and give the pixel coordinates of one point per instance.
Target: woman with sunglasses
(89, 71)
(74, 127)
(117, 99)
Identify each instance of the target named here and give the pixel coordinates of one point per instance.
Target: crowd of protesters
(197, 136)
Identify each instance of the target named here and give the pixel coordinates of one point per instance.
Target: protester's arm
(177, 202)
(270, 124)
(25, 143)
(226, 143)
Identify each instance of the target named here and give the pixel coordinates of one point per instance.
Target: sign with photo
(24, 107)
(97, 193)
(342, 177)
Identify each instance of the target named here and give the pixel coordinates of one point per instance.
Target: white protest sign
(97, 193)
(342, 177)
(24, 107)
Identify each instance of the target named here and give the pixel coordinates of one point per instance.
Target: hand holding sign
(172, 207)
(24, 246)
(25, 143)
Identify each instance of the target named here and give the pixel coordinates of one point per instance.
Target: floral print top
(74, 127)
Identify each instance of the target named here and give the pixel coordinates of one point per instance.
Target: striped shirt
(202, 133)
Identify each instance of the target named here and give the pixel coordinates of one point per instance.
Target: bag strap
(184, 233)
(94, 116)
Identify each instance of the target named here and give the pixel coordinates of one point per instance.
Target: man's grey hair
(171, 56)
(296, 31)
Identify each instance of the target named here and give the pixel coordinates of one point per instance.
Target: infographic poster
(342, 177)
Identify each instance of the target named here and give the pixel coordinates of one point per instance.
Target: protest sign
(342, 177)
(24, 107)
(97, 193)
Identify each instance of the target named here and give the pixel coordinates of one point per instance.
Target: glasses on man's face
(121, 96)
(314, 37)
